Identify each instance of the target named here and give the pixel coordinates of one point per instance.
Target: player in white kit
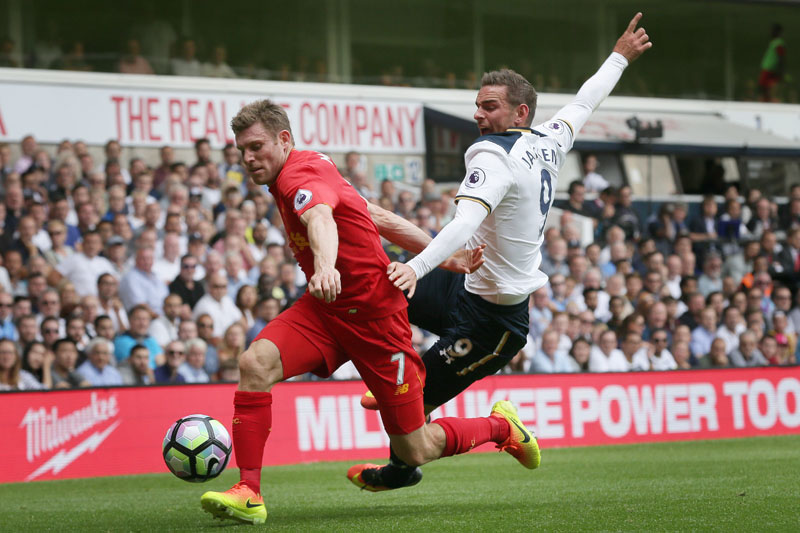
(512, 172)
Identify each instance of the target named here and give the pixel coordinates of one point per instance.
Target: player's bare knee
(261, 361)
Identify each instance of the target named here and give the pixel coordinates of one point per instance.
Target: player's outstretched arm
(403, 233)
(323, 238)
(631, 44)
(398, 230)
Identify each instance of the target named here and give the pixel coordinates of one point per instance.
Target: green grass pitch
(726, 485)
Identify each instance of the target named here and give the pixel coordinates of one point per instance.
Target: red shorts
(768, 80)
(310, 340)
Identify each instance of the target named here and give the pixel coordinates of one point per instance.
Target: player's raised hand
(403, 277)
(325, 284)
(465, 261)
(633, 42)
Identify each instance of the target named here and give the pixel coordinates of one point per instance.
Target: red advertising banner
(98, 432)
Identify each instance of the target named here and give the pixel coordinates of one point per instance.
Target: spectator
(773, 65)
(218, 305)
(715, 358)
(132, 62)
(186, 64)
(7, 328)
(747, 353)
(164, 328)
(592, 180)
(787, 342)
(762, 220)
(137, 334)
(682, 355)
(704, 334)
(579, 355)
(168, 372)
(769, 349)
(76, 331)
(731, 328)
(63, 369)
(97, 369)
(38, 361)
(246, 299)
(187, 330)
(266, 310)
(85, 267)
(193, 370)
(217, 67)
(606, 357)
(58, 251)
(109, 304)
(704, 228)
(12, 376)
(232, 343)
(626, 217)
(168, 266)
(27, 330)
(549, 358)
(141, 285)
(711, 278)
(577, 202)
(205, 331)
(789, 258)
(185, 285)
(636, 357)
(741, 262)
(136, 369)
(660, 356)
(231, 169)
(554, 260)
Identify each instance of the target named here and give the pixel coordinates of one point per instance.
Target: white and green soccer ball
(196, 448)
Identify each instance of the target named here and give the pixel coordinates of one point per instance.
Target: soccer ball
(196, 448)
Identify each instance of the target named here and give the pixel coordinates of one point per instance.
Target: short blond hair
(271, 115)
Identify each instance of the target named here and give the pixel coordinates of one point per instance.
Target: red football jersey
(308, 179)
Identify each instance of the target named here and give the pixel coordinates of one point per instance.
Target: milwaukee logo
(46, 430)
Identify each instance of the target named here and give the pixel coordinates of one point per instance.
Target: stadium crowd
(118, 274)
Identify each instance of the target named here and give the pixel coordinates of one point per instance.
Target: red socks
(463, 434)
(252, 422)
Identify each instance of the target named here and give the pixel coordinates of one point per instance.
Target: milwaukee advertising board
(66, 434)
(154, 117)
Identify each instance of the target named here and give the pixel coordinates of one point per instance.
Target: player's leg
(414, 442)
(290, 345)
(433, 308)
(260, 368)
(484, 339)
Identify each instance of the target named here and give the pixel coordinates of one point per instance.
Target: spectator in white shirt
(635, 353)
(85, 267)
(732, 326)
(218, 305)
(164, 328)
(592, 180)
(606, 357)
(661, 358)
(549, 359)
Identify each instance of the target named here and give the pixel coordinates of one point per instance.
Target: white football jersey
(513, 175)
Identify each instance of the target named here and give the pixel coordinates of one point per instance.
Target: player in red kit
(350, 312)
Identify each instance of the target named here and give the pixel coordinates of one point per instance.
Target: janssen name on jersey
(513, 175)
